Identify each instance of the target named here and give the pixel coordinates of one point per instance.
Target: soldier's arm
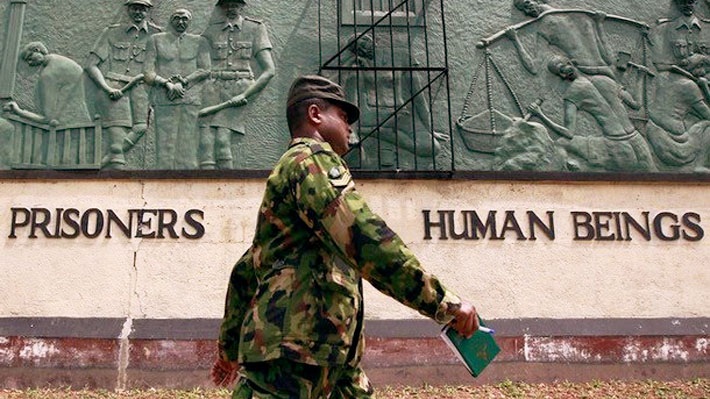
(262, 54)
(97, 56)
(341, 218)
(240, 290)
(268, 70)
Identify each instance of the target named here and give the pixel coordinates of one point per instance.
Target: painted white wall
(150, 278)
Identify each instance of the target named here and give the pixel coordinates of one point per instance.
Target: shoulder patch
(339, 177)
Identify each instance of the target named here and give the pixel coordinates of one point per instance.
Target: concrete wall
(156, 301)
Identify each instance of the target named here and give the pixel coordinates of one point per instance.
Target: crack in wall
(124, 339)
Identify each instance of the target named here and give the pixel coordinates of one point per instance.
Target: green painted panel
(521, 85)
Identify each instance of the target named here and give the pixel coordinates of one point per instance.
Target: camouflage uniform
(296, 294)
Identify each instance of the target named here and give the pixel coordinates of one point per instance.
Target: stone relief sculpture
(625, 96)
(679, 130)
(389, 127)
(663, 127)
(526, 146)
(59, 134)
(59, 94)
(235, 40)
(194, 128)
(675, 38)
(578, 34)
(115, 65)
(680, 116)
(176, 64)
(621, 148)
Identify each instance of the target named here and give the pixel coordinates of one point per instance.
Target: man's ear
(313, 114)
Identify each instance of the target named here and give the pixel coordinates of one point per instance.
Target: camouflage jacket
(297, 292)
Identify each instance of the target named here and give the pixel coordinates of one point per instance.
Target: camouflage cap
(315, 86)
(147, 3)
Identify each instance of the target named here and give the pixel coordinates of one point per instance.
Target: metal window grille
(360, 12)
(396, 70)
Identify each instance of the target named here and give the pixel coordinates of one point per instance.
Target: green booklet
(475, 352)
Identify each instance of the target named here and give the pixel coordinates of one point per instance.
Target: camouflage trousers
(284, 379)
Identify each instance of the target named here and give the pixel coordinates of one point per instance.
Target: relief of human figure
(621, 147)
(679, 130)
(115, 65)
(176, 64)
(59, 93)
(235, 41)
(685, 30)
(379, 94)
(578, 36)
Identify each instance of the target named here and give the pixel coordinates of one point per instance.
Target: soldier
(294, 310)
(115, 65)
(177, 90)
(675, 39)
(235, 41)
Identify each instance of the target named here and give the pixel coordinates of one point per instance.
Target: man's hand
(465, 320)
(115, 94)
(175, 90)
(535, 109)
(512, 34)
(224, 372)
(238, 101)
(11, 107)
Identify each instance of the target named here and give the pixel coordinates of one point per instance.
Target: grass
(681, 389)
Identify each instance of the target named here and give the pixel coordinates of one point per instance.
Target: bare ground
(681, 389)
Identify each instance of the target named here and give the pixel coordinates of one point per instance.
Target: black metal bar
(406, 103)
(357, 80)
(394, 92)
(411, 89)
(374, 63)
(405, 69)
(320, 36)
(428, 65)
(370, 28)
(448, 87)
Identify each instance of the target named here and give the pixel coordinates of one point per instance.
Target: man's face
(138, 13)
(180, 23)
(232, 9)
(34, 58)
(680, 49)
(567, 71)
(335, 129)
(531, 8)
(686, 7)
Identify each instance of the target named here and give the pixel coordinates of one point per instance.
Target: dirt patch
(681, 389)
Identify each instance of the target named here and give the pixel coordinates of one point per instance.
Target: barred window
(365, 12)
